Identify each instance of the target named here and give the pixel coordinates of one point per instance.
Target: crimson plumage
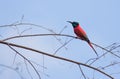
(81, 34)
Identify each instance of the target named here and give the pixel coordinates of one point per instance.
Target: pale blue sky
(99, 18)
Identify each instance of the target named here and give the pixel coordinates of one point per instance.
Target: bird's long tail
(92, 48)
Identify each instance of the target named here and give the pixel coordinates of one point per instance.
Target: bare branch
(60, 35)
(112, 47)
(82, 72)
(25, 31)
(25, 59)
(106, 50)
(62, 29)
(62, 46)
(111, 64)
(30, 24)
(28, 69)
(34, 35)
(61, 58)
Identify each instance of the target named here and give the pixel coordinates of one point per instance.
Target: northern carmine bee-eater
(81, 34)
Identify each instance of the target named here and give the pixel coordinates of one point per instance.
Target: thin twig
(28, 69)
(25, 59)
(22, 18)
(14, 58)
(30, 24)
(25, 31)
(114, 63)
(62, 46)
(62, 29)
(95, 59)
(38, 64)
(106, 50)
(82, 72)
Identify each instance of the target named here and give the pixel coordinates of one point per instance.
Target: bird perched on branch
(81, 34)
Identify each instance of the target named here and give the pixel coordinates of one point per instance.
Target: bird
(81, 34)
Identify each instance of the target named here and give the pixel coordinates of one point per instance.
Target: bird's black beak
(70, 22)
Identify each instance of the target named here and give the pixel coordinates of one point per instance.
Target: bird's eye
(75, 24)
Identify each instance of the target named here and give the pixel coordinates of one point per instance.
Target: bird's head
(74, 24)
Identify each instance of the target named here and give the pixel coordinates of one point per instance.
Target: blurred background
(99, 18)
